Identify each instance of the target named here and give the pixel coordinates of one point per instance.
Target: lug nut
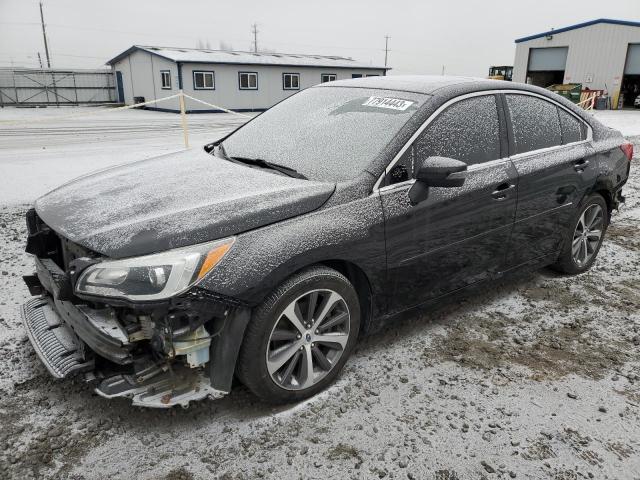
(299, 336)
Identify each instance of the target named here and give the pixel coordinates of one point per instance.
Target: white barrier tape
(216, 106)
(80, 114)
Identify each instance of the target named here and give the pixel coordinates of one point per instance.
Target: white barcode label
(387, 102)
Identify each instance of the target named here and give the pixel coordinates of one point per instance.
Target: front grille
(61, 351)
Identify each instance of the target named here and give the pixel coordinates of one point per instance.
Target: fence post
(183, 116)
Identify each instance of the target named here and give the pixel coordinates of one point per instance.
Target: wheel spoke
(311, 309)
(594, 213)
(286, 375)
(277, 359)
(332, 339)
(339, 319)
(292, 312)
(306, 373)
(321, 359)
(585, 250)
(594, 234)
(581, 222)
(575, 248)
(326, 307)
(283, 335)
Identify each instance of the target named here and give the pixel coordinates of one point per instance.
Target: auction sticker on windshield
(387, 102)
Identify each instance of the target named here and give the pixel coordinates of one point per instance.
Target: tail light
(627, 148)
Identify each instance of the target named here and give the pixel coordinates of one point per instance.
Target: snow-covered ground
(45, 147)
(537, 377)
(627, 121)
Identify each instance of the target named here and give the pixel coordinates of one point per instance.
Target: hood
(172, 201)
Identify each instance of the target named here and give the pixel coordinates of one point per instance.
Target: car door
(458, 235)
(550, 151)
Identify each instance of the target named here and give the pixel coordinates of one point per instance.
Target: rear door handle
(502, 191)
(580, 165)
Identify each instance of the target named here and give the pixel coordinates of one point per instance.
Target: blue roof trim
(579, 25)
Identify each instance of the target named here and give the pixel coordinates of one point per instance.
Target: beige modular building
(240, 81)
(601, 54)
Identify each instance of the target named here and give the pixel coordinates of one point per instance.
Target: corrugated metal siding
(596, 55)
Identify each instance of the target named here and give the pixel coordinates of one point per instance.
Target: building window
(248, 80)
(356, 75)
(203, 81)
(165, 77)
(372, 75)
(327, 77)
(291, 81)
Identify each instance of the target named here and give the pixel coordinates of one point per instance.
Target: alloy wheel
(308, 339)
(587, 235)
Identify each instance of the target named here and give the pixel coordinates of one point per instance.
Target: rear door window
(535, 123)
(573, 130)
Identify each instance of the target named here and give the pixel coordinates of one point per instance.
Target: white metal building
(240, 81)
(601, 54)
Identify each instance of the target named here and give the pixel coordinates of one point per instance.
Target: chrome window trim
(444, 106)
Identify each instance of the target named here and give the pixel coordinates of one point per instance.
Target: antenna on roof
(254, 30)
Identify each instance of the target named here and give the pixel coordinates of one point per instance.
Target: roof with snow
(195, 55)
(580, 25)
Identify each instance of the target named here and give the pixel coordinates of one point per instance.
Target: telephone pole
(254, 30)
(44, 34)
(386, 49)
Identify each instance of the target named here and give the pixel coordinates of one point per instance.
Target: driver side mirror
(436, 172)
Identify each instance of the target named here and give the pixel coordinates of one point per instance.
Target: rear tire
(300, 336)
(584, 238)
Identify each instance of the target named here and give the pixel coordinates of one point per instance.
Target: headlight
(153, 277)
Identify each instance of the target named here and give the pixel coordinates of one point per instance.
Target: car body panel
(173, 201)
(453, 239)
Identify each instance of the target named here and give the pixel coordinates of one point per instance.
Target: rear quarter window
(573, 130)
(535, 123)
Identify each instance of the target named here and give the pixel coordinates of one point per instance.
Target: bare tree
(225, 46)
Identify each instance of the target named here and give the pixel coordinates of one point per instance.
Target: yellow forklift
(501, 73)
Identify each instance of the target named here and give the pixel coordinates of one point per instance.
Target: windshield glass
(326, 133)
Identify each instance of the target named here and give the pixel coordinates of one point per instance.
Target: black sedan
(265, 255)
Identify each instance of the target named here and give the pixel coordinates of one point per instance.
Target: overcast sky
(465, 36)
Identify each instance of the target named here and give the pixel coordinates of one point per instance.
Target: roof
(579, 25)
(195, 55)
(425, 84)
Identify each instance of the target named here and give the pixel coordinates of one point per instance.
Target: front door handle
(502, 191)
(580, 165)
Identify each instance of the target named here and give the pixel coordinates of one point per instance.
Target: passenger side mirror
(436, 172)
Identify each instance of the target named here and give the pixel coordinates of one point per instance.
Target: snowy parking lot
(535, 377)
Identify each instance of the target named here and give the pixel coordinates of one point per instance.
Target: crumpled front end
(158, 354)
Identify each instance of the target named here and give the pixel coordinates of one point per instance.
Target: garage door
(548, 59)
(632, 67)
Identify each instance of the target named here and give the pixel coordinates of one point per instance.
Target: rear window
(326, 133)
(535, 123)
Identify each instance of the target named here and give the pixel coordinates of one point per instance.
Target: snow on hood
(172, 201)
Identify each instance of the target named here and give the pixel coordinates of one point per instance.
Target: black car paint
(403, 255)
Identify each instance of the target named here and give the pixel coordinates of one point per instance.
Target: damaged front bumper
(72, 336)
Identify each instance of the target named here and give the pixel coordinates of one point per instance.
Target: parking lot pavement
(535, 377)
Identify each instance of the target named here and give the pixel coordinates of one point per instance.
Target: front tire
(300, 337)
(584, 239)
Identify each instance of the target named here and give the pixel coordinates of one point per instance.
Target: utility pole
(254, 30)
(386, 49)
(443, 70)
(44, 34)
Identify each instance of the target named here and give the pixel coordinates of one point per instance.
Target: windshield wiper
(259, 162)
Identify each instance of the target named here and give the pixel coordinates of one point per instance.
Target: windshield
(326, 133)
